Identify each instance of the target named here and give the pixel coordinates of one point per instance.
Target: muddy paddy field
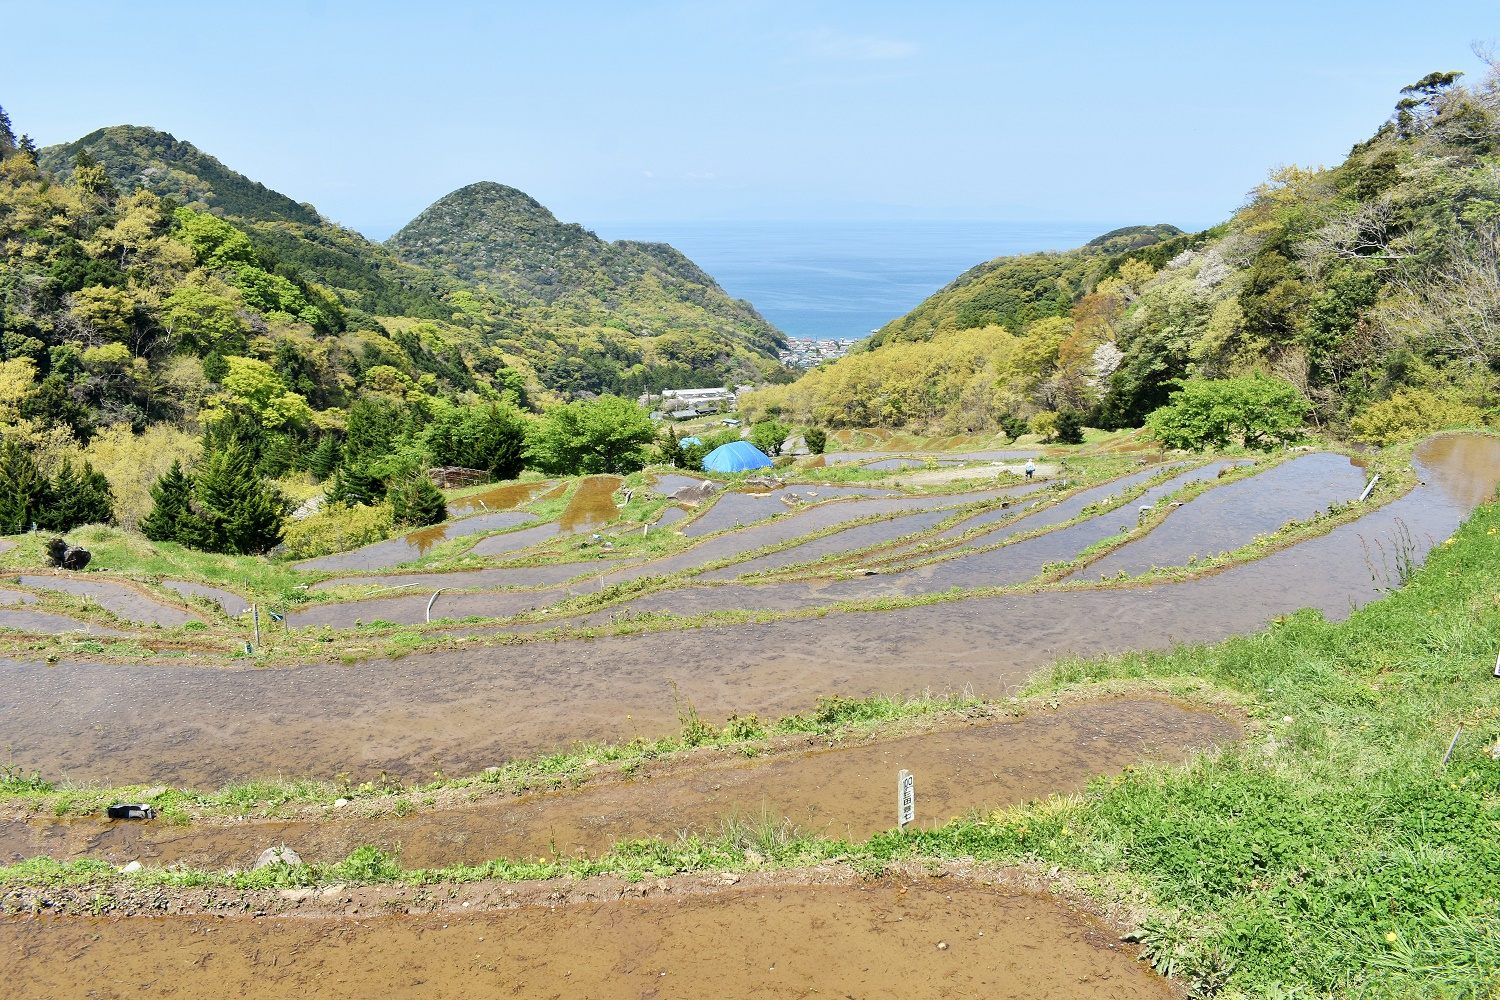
(558, 688)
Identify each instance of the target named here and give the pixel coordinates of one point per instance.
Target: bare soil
(836, 789)
(818, 933)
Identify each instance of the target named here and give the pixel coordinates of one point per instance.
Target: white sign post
(906, 798)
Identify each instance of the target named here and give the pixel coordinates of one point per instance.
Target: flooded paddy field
(593, 575)
(736, 509)
(394, 551)
(916, 937)
(459, 710)
(120, 599)
(1233, 515)
(840, 791)
(230, 603)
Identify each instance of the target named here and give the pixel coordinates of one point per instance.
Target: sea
(843, 280)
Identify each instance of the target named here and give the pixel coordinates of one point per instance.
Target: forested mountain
(669, 329)
(504, 239)
(173, 334)
(1373, 287)
(1015, 291)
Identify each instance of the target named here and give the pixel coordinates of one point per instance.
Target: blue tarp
(688, 442)
(736, 456)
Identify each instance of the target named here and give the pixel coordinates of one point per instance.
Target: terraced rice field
(750, 603)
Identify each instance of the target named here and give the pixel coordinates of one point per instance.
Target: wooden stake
(1452, 744)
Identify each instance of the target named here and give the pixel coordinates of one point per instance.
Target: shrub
(337, 528)
(1045, 425)
(816, 438)
(1411, 413)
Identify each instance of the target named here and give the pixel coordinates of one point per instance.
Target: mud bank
(914, 937)
(844, 790)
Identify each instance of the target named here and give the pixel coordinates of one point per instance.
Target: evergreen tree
(1069, 427)
(324, 458)
(172, 518)
(77, 496)
(7, 137)
(243, 514)
(28, 147)
(23, 489)
(415, 501)
(355, 486)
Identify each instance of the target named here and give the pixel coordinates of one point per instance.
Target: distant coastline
(842, 280)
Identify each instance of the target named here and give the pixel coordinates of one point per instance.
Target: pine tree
(172, 518)
(324, 458)
(417, 502)
(23, 489)
(97, 503)
(243, 513)
(355, 486)
(77, 496)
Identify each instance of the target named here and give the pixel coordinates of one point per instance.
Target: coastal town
(809, 352)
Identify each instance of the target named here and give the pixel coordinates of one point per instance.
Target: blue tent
(688, 442)
(736, 456)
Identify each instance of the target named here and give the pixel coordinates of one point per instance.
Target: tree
(7, 136)
(324, 458)
(1069, 427)
(253, 388)
(1256, 410)
(353, 485)
(77, 496)
(23, 489)
(769, 435)
(607, 434)
(172, 518)
(241, 511)
(224, 507)
(816, 438)
(416, 502)
(492, 438)
(1420, 101)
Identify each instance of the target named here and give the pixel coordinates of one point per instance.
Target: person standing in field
(1030, 468)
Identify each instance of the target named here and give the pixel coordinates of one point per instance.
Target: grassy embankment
(1331, 853)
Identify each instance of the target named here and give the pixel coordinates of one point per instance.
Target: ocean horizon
(836, 280)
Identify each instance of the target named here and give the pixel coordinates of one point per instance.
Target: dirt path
(912, 938)
(842, 791)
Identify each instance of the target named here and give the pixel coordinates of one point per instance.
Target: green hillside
(567, 312)
(1014, 291)
(143, 158)
(1372, 287)
(504, 239)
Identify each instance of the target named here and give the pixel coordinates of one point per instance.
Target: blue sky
(740, 109)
